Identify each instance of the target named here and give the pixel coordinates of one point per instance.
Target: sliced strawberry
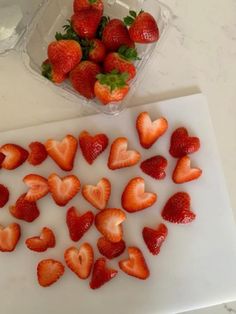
(24, 209)
(63, 152)
(38, 187)
(136, 265)
(181, 144)
(134, 197)
(101, 273)
(92, 146)
(183, 171)
(110, 249)
(108, 222)
(2, 157)
(63, 189)
(49, 271)
(149, 132)
(155, 167)
(154, 238)
(43, 242)
(120, 157)
(80, 261)
(98, 195)
(177, 209)
(15, 156)
(78, 224)
(4, 195)
(37, 154)
(9, 237)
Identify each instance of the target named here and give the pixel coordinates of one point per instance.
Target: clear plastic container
(37, 28)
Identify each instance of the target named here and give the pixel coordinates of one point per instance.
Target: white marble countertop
(199, 55)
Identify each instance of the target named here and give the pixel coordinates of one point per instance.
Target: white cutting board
(197, 263)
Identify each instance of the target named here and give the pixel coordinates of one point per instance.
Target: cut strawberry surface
(98, 195)
(63, 152)
(154, 238)
(4, 195)
(24, 209)
(134, 197)
(37, 154)
(183, 171)
(38, 187)
(101, 273)
(9, 237)
(80, 261)
(63, 189)
(49, 271)
(120, 157)
(43, 242)
(155, 167)
(15, 156)
(110, 249)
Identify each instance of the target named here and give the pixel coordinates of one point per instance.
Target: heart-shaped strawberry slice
(183, 171)
(101, 273)
(9, 237)
(120, 157)
(38, 187)
(155, 167)
(110, 249)
(177, 209)
(43, 242)
(24, 209)
(134, 197)
(182, 144)
(15, 156)
(148, 131)
(154, 238)
(49, 271)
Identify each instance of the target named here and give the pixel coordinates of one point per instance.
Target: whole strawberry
(80, 5)
(83, 78)
(51, 74)
(143, 27)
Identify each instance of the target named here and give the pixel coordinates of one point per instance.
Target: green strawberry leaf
(128, 53)
(47, 70)
(114, 79)
(133, 13)
(104, 21)
(92, 1)
(69, 33)
(128, 20)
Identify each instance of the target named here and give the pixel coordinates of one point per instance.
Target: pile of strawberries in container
(96, 53)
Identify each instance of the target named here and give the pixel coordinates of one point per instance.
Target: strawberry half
(9, 237)
(80, 5)
(109, 221)
(43, 242)
(4, 195)
(181, 144)
(177, 209)
(136, 265)
(49, 271)
(101, 274)
(183, 171)
(38, 187)
(63, 152)
(148, 131)
(92, 146)
(15, 156)
(80, 261)
(78, 224)
(98, 195)
(110, 249)
(154, 238)
(24, 209)
(155, 167)
(134, 197)
(120, 157)
(37, 154)
(63, 189)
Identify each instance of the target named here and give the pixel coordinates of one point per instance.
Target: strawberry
(86, 22)
(38, 187)
(51, 74)
(9, 237)
(24, 209)
(136, 265)
(110, 249)
(181, 144)
(177, 209)
(101, 274)
(149, 132)
(2, 157)
(63, 152)
(143, 27)
(183, 171)
(121, 61)
(155, 167)
(37, 154)
(108, 222)
(78, 224)
(63, 189)
(134, 197)
(97, 50)
(43, 242)
(83, 78)
(120, 157)
(4, 195)
(111, 87)
(154, 238)
(80, 5)
(98, 195)
(49, 271)
(92, 146)
(15, 156)
(80, 261)
(115, 34)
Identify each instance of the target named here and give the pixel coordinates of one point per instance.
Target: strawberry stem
(113, 80)
(128, 53)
